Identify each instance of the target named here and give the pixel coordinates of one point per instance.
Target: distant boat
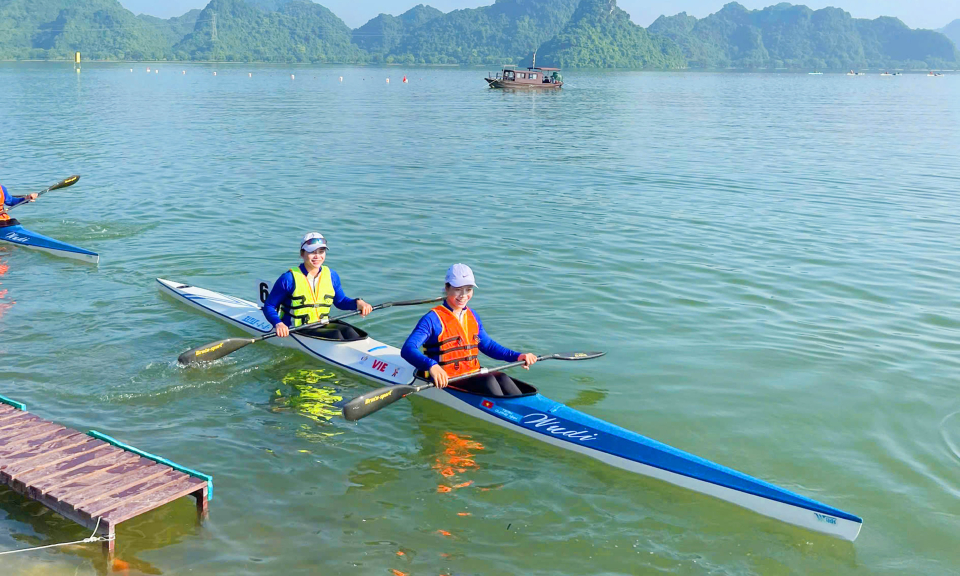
(815, 73)
(852, 73)
(934, 74)
(533, 78)
(886, 74)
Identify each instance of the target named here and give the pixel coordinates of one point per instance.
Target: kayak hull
(20, 236)
(540, 418)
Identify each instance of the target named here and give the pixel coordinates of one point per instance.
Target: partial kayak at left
(20, 236)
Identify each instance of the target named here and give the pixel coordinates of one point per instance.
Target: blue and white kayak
(20, 236)
(540, 418)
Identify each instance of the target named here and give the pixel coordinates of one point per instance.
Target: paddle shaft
(326, 321)
(366, 404)
(61, 184)
(221, 348)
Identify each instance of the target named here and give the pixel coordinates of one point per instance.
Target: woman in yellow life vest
(7, 200)
(452, 337)
(304, 294)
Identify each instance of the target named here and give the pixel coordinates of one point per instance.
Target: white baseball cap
(460, 275)
(313, 242)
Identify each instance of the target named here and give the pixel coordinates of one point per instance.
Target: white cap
(460, 275)
(313, 242)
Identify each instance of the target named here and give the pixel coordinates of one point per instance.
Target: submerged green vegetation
(564, 33)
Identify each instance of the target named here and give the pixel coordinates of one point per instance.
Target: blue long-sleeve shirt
(283, 289)
(9, 200)
(428, 332)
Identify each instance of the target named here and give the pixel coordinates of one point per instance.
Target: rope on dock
(92, 538)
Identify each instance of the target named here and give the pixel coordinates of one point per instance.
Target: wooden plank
(47, 442)
(138, 491)
(184, 486)
(58, 488)
(90, 457)
(22, 440)
(21, 419)
(16, 436)
(14, 426)
(18, 467)
(113, 484)
(7, 411)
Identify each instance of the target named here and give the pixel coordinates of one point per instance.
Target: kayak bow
(540, 418)
(20, 236)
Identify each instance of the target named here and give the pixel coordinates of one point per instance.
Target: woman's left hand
(32, 197)
(363, 307)
(528, 360)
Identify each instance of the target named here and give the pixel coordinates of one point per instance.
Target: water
(770, 261)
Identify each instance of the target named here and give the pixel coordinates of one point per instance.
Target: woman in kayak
(452, 336)
(7, 200)
(303, 295)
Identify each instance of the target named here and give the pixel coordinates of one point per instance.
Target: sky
(915, 13)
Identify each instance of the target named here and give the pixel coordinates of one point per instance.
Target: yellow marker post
(76, 62)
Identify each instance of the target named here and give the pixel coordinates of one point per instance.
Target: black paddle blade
(64, 183)
(576, 355)
(366, 404)
(213, 351)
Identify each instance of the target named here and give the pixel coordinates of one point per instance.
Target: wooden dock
(90, 478)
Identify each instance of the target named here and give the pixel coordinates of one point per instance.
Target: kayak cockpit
(465, 387)
(335, 331)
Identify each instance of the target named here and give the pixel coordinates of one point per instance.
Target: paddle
(366, 404)
(61, 184)
(220, 348)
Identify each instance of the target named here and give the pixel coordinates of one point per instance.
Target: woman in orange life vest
(7, 200)
(452, 337)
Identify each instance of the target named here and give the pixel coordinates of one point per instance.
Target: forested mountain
(788, 36)
(382, 34)
(173, 29)
(101, 29)
(601, 35)
(569, 33)
(297, 31)
(501, 33)
(952, 31)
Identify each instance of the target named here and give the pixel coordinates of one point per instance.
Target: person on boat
(7, 200)
(304, 294)
(452, 336)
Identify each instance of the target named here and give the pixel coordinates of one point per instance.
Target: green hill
(173, 29)
(297, 31)
(100, 29)
(601, 35)
(952, 31)
(502, 33)
(789, 36)
(382, 34)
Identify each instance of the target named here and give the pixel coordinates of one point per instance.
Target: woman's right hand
(439, 376)
(282, 330)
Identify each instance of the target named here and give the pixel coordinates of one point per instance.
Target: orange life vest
(457, 345)
(3, 209)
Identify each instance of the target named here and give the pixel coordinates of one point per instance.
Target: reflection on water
(311, 393)
(4, 306)
(456, 459)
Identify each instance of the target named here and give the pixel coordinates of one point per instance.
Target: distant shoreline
(492, 66)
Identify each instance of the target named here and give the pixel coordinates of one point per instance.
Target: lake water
(770, 261)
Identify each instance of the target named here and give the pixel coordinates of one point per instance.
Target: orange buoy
(404, 79)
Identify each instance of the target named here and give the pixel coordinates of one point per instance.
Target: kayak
(540, 418)
(20, 236)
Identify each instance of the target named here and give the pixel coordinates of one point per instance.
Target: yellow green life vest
(306, 305)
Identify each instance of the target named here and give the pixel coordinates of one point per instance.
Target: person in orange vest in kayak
(7, 200)
(452, 336)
